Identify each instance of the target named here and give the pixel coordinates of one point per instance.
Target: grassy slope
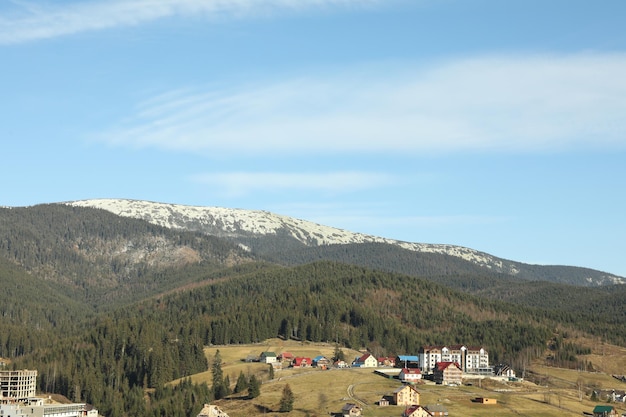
(322, 392)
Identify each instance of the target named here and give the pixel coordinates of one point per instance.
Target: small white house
(504, 370)
(366, 361)
(410, 375)
(268, 357)
(351, 410)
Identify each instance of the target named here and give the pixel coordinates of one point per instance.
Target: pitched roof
(298, 361)
(349, 406)
(408, 358)
(364, 357)
(403, 387)
(431, 347)
(437, 408)
(444, 365)
(411, 409)
(476, 348)
(603, 409)
(456, 347)
(415, 371)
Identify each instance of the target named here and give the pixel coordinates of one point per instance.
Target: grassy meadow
(558, 392)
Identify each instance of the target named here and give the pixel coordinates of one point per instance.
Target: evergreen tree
(242, 383)
(226, 385)
(271, 371)
(338, 355)
(219, 390)
(287, 400)
(254, 387)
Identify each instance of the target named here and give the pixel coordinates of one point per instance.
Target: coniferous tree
(254, 387)
(338, 354)
(226, 385)
(242, 383)
(219, 390)
(287, 400)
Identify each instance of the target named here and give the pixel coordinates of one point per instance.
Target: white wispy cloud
(28, 21)
(241, 183)
(501, 103)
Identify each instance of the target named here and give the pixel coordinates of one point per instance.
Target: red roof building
(448, 373)
(366, 361)
(300, 362)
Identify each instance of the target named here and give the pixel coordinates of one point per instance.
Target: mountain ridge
(244, 226)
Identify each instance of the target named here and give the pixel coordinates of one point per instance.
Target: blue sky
(496, 125)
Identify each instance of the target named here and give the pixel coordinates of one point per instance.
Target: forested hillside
(96, 257)
(32, 312)
(144, 345)
(392, 258)
(381, 256)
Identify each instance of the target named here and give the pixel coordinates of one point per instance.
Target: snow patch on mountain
(228, 222)
(241, 224)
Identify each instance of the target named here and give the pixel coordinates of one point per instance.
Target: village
(409, 394)
(443, 366)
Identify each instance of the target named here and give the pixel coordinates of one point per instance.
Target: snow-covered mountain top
(230, 222)
(239, 224)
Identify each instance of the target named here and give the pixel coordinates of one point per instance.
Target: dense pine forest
(105, 260)
(109, 310)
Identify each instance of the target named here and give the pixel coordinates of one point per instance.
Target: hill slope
(274, 235)
(97, 257)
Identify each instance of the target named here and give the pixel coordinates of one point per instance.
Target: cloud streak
(242, 183)
(29, 21)
(492, 103)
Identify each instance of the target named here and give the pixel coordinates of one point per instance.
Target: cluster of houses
(405, 395)
(611, 395)
(473, 360)
(277, 361)
(443, 364)
(446, 364)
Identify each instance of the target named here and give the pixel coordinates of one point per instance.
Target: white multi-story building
(470, 359)
(17, 399)
(17, 385)
(476, 360)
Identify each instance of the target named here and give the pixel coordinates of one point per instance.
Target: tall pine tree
(219, 389)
